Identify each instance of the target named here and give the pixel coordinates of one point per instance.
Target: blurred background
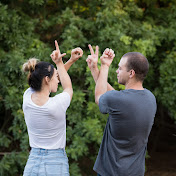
(28, 28)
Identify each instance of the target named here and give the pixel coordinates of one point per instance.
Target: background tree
(28, 28)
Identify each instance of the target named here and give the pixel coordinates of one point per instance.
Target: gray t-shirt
(123, 148)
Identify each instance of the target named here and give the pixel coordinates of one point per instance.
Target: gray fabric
(123, 148)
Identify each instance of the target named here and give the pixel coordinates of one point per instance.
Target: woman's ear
(47, 79)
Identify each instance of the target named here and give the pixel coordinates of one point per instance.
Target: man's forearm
(101, 84)
(95, 74)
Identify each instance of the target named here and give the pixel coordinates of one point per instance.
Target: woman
(45, 116)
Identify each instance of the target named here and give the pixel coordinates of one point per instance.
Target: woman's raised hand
(56, 55)
(76, 54)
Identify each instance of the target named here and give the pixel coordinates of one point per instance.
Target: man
(131, 114)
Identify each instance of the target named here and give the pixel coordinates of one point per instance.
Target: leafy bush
(29, 28)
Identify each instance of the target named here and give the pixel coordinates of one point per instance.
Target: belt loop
(39, 151)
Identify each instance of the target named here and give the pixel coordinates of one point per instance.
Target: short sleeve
(108, 100)
(63, 100)
(27, 96)
(28, 92)
(103, 105)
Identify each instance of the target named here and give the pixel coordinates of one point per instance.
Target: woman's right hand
(56, 55)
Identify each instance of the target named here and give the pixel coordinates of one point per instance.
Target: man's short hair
(137, 62)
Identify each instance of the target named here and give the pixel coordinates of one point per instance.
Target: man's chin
(121, 83)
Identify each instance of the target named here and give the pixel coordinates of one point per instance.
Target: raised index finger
(91, 49)
(57, 46)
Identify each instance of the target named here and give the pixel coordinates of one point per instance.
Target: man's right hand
(107, 57)
(92, 59)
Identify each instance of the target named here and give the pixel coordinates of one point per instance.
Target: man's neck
(134, 85)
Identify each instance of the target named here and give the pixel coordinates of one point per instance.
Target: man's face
(122, 73)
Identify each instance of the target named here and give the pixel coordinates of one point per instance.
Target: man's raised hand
(92, 59)
(107, 57)
(56, 55)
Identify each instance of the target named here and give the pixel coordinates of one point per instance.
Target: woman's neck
(40, 97)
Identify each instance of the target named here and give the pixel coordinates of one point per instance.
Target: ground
(162, 164)
(162, 149)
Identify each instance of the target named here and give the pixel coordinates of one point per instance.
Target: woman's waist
(42, 151)
(55, 142)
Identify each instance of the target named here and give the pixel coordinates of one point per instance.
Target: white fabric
(46, 124)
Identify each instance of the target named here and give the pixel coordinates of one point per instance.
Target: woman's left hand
(76, 54)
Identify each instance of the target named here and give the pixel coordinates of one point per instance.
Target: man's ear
(132, 73)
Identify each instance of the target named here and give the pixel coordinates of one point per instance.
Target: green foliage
(29, 28)
(74, 169)
(4, 140)
(168, 83)
(12, 164)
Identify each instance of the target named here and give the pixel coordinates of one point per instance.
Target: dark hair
(37, 71)
(138, 63)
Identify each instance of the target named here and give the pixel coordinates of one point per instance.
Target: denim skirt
(47, 162)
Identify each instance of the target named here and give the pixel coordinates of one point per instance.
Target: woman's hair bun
(29, 66)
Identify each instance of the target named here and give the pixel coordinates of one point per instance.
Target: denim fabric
(43, 162)
(98, 175)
